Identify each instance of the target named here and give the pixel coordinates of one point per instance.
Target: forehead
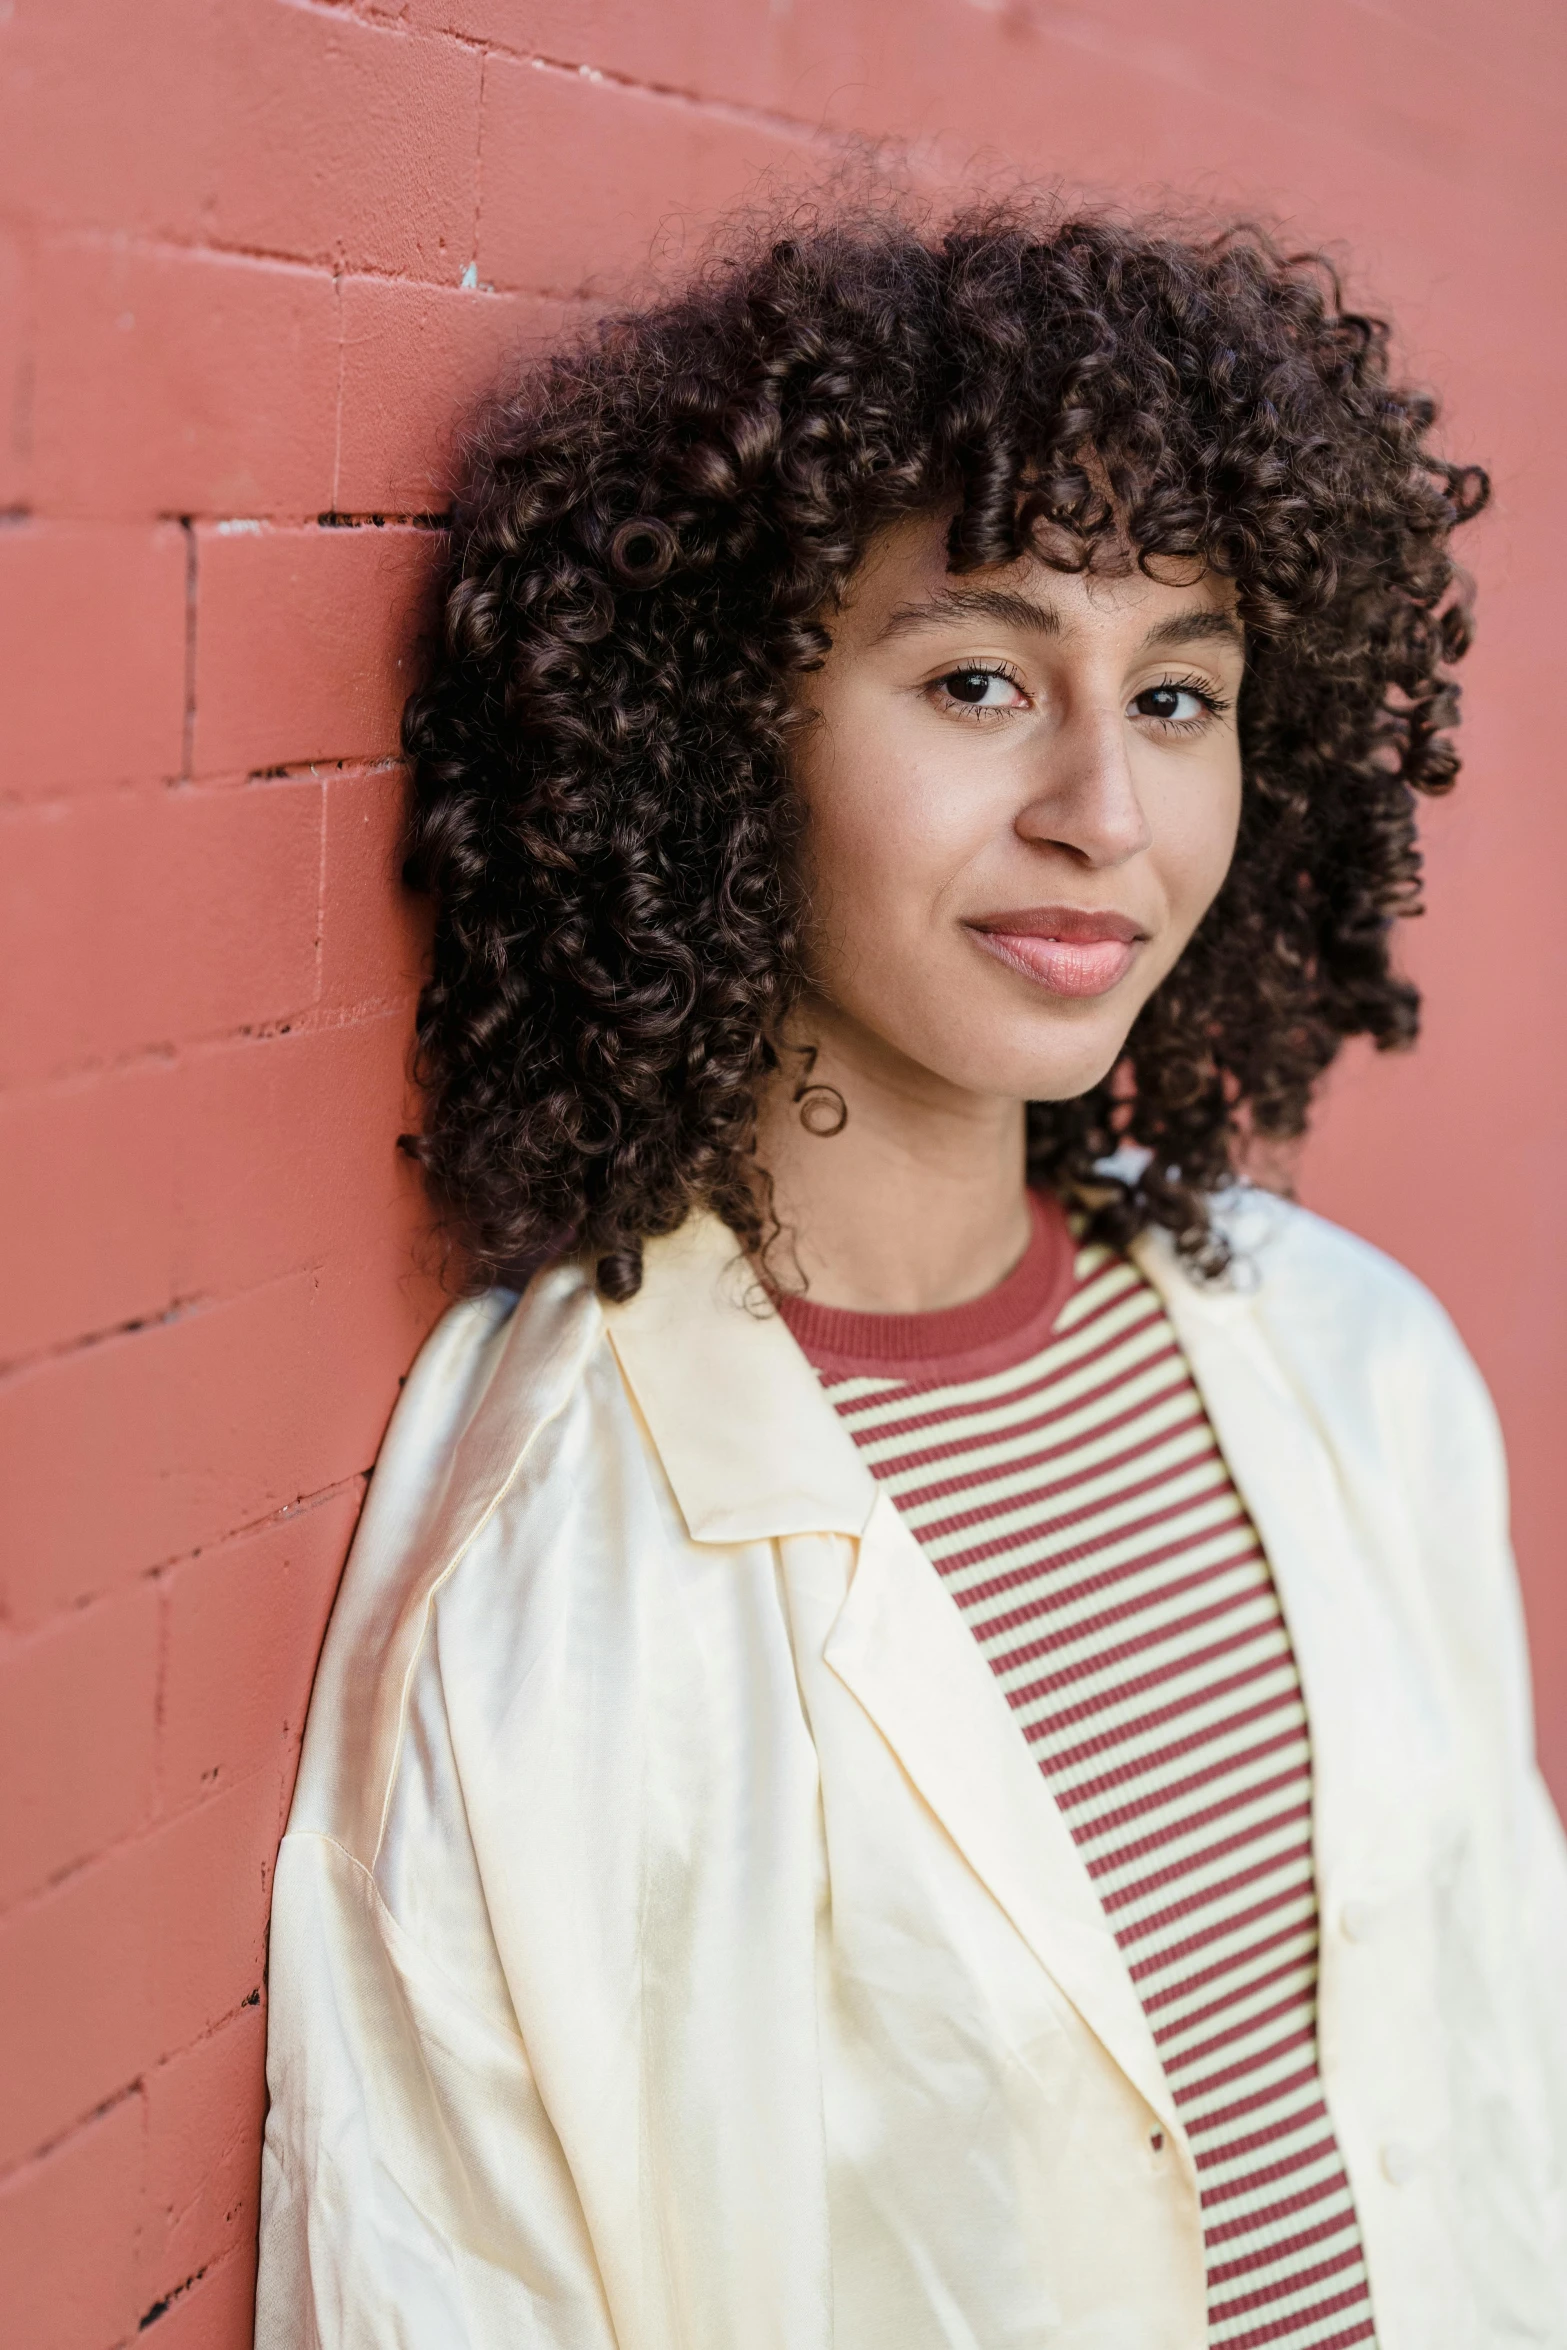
(904, 585)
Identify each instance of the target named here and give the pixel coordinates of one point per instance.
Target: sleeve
(1461, 1473)
(414, 2193)
(1542, 1913)
(1544, 1910)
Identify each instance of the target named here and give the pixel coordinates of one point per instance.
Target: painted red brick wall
(253, 255)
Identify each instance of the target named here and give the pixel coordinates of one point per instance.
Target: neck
(918, 1202)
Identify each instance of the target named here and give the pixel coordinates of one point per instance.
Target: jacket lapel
(901, 1648)
(1376, 1764)
(1284, 1477)
(754, 1450)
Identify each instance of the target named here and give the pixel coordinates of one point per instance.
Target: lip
(1067, 950)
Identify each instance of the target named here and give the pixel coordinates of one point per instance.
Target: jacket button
(1399, 2163)
(1357, 1918)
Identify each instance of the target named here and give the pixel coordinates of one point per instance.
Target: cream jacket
(676, 1948)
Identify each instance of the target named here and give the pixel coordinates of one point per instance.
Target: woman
(926, 1740)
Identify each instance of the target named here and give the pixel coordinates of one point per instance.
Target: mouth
(1067, 950)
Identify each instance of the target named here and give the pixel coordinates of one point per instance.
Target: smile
(1067, 950)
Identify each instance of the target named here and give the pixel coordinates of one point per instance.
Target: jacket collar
(736, 1413)
(748, 1441)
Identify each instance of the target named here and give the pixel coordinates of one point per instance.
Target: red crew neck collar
(970, 1341)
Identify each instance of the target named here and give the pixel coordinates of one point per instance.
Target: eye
(975, 688)
(1178, 703)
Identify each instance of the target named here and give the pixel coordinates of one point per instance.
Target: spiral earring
(822, 1108)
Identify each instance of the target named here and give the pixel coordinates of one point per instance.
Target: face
(1022, 791)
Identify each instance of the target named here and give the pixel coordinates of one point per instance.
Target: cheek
(1194, 841)
(885, 833)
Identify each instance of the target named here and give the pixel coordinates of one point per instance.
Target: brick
(132, 1960)
(183, 383)
(204, 2111)
(216, 1171)
(93, 1158)
(141, 918)
(375, 934)
(92, 656)
(265, 1598)
(141, 1448)
(79, 88)
(1348, 72)
(350, 142)
(1142, 107)
(858, 68)
(416, 359)
(306, 642)
(286, 130)
(661, 170)
(83, 85)
(72, 1793)
(68, 2238)
(214, 2312)
(286, 1158)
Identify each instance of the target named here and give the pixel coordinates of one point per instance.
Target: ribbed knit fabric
(1050, 1451)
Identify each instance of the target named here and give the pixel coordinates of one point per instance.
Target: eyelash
(1216, 705)
(976, 669)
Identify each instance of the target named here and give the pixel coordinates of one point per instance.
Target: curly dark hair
(650, 539)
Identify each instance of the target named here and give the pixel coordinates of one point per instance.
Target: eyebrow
(1015, 611)
(1186, 628)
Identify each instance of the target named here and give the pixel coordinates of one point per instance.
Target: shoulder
(1362, 1346)
(489, 1394)
(492, 1376)
(1313, 1285)
(1366, 1364)
(1279, 1246)
(1358, 1339)
(502, 1343)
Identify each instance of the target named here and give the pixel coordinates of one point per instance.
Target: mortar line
(13, 2170)
(188, 731)
(342, 376)
(137, 2087)
(733, 109)
(478, 167)
(323, 788)
(169, 1052)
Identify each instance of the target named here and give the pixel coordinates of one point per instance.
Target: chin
(1058, 1077)
(1071, 1065)
(1003, 1058)
(1055, 1085)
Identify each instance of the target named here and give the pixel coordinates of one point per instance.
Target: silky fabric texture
(675, 1946)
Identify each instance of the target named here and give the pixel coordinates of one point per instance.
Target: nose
(1085, 795)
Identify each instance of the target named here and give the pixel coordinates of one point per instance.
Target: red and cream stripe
(1077, 1506)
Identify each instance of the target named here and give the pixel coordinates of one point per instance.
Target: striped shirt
(1048, 1448)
